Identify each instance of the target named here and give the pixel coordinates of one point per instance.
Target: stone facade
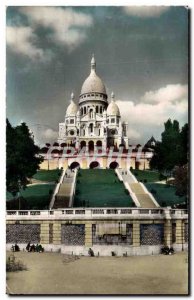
(95, 122)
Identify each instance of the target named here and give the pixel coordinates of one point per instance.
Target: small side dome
(72, 108)
(113, 109)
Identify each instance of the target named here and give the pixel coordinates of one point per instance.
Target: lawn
(36, 196)
(150, 176)
(165, 194)
(48, 175)
(100, 188)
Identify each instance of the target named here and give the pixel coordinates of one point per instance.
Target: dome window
(71, 132)
(112, 120)
(71, 121)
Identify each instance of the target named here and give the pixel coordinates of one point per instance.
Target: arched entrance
(94, 165)
(82, 144)
(122, 145)
(99, 143)
(55, 153)
(74, 165)
(91, 146)
(113, 165)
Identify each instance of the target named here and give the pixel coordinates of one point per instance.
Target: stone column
(88, 234)
(57, 233)
(168, 233)
(44, 232)
(136, 234)
(179, 232)
(104, 162)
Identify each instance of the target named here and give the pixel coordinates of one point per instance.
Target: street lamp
(19, 194)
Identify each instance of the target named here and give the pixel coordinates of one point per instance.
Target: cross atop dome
(72, 96)
(93, 63)
(112, 96)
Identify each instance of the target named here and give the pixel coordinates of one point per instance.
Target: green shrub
(126, 191)
(13, 265)
(154, 192)
(145, 181)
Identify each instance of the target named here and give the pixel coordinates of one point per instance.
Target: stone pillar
(44, 233)
(88, 234)
(64, 163)
(136, 234)
(84, 163)
(57, 233)
(123, 163)
(168, 233)
(179, 232)
(104, 162)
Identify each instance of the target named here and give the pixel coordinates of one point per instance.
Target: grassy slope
(37, 196)
(100, 189)
(47, 175)
(150, 176)
(165, 194)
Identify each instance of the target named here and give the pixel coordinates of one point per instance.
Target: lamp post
(19, 194)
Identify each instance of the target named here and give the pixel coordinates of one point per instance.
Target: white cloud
(145, 11)
(169, 93)
(49, 135)
(150, 117)
(67, 25)
(21, 40)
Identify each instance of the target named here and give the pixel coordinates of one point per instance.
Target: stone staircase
(64, 195)
(142, 196)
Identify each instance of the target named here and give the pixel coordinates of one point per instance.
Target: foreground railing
(96, 212)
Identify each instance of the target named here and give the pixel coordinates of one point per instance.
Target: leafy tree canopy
(173, 149)
(22, 157)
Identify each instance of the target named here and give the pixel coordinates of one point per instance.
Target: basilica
(95, 121)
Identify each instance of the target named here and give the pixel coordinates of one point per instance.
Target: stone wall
(22, 233)
(73, 234)
(136, 234)
(151, 234)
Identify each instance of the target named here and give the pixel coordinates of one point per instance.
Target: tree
(181, 180)
(173, 149)
(22, 157)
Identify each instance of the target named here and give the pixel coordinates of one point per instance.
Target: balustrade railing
(75, 212)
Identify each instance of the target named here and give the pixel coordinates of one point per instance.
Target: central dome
(93, 83)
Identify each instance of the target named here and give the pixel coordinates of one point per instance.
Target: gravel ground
(55, 273)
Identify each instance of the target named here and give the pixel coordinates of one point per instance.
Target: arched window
(91, 127)
(96, 109)
(91, 113)
(84, 110)
(101, 109)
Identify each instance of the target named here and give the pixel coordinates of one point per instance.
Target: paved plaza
(54, 273)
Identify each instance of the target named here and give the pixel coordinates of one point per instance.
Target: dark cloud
(134, 55)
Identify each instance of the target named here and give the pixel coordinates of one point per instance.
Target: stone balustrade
(93, 213)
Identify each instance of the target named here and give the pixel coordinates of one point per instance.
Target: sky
(141, 55)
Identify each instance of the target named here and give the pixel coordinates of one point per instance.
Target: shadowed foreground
(55, 273)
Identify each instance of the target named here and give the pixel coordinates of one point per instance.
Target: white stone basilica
(95, 122)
